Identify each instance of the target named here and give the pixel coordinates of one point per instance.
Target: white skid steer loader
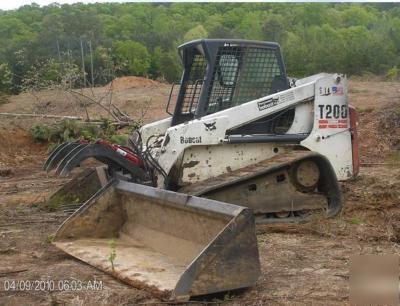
(243, 144)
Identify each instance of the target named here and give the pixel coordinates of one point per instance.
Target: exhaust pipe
(172, 244)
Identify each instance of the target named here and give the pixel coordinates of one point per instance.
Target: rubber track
(264, 168)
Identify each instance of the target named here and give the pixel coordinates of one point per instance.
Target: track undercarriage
(286, 188)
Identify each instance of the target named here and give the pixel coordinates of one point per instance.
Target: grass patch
(49, 238)
(355, 90)
(355, 221)
(397, 111)
(366, 110)
(61, 198)
(394, 157)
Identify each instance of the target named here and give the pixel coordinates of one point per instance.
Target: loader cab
(220, 74)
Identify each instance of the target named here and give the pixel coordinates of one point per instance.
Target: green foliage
(70, 130)
(5, 78)
(49, 238)
(272, 28)
(113, 253)
(132, 57)
(165, 65)
(392, 74)
(41, 46)
(356, 221)
(41, 75)
(40, 133)
(120, 139)
(197, 32)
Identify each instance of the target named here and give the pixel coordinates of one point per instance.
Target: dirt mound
(390, 123)
(18, 147)
(368, 95)
(128, 82)
(379, 132)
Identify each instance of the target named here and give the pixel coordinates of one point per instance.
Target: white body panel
(309, 96)
(331, 134)
(202, 162)
(155, 128)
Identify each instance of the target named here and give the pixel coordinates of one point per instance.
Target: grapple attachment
(77, 191)
(58, 154)
(66, 156)
(172, 244)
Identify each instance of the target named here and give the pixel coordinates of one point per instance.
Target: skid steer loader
(240, 133)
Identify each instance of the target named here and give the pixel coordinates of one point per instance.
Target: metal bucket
(172, 244)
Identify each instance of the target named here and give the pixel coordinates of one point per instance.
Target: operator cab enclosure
(220, 74)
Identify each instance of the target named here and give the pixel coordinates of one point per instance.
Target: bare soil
(141, 98)
(301, 263)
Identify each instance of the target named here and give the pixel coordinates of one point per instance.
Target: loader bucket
(174, 245)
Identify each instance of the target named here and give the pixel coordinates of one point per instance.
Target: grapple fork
(58, 154)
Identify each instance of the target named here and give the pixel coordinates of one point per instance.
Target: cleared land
(301, 264)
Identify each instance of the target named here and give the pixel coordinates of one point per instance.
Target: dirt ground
(302, 264)
(141, 98)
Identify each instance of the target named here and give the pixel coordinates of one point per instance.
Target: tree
(141, 38)
(132, 57)
(196, 33)
(5, 78)
(250, 26)
(325, 49)
(274, 28)
(295, 55)
(357, 15)
(166, 65)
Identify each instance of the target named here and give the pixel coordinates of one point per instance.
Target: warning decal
(332, 124)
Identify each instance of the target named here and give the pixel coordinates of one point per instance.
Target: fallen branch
(41, 116)
(95, 102)
(29, 222)
(84, 121)
(120, 115)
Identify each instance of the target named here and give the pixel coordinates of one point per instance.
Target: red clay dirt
(129, 82)
(301, 263)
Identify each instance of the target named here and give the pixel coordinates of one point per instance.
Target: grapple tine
(105, 155)
(58, 155)
(53, 153)
(55, 148)
(67, 157)
(78, 190)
